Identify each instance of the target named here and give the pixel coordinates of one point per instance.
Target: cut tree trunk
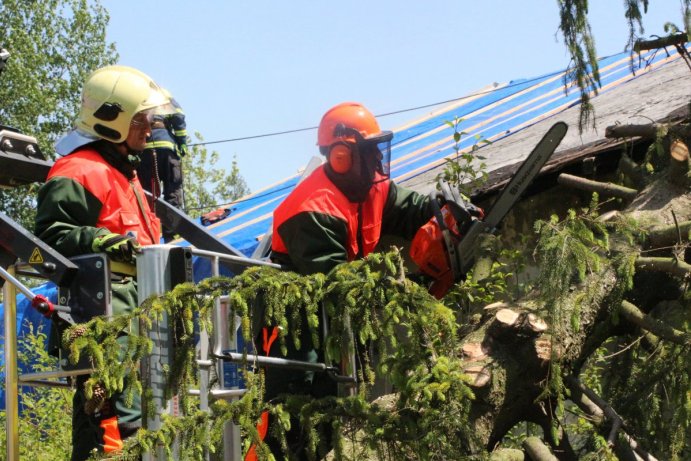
(632, 131)
(679, 163)
(513, 345)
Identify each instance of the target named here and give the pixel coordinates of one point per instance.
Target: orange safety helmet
(351, 123)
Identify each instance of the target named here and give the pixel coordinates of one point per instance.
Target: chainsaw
(445, 247)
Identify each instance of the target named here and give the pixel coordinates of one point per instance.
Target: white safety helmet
(111, 97)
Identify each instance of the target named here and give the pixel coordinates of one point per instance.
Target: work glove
(118, 247)
(182, 149)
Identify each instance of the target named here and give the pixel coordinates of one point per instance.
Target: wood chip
(507, 316)
(497, 305)
(679, 151)
(536, 323)
(480, 375)
(473, 351)
(543, 349)
(608, 216)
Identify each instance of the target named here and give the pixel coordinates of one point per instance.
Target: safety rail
(11, 367)
(13, 379)
(224, 349)
(162, 267)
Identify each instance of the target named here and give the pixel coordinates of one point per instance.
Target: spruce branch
(603, 188)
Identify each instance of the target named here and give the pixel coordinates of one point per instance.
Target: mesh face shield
(380, 144)
(377, 145)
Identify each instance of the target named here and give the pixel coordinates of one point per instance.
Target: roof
(513, 116)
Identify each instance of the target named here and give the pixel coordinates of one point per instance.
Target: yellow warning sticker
(36, 257)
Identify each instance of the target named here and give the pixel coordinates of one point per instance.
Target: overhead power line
(265, 135)
(425, 106)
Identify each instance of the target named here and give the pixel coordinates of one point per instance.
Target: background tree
(206, 186)
(54, 45)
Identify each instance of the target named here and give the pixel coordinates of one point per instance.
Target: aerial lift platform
(83, 291)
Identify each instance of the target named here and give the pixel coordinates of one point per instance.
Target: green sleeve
(405, 212)
(66, 216)
(314, 242)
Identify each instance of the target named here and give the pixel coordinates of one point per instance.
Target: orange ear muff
(341, 158)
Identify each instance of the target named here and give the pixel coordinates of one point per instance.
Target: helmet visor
(163, 109)
(157, 103)
(381, 145)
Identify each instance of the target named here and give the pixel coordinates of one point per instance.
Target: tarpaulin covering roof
(421, 146)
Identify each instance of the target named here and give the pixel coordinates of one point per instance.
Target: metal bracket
(21, 160)
(18, 243)
(89, 293)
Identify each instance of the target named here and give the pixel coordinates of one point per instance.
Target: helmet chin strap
(133, 157)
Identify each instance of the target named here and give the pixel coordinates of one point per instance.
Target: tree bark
(516, 349)
(663, 236)
(676, 39)
(609, 189)
(632, 172)
(632, 131)
(671, 265)
(507, 454)
(487, 251)
(634, 315)
(537, 450)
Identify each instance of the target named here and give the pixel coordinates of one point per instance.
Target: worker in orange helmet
(336, 214)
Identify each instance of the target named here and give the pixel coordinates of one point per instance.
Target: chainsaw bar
(509, 195)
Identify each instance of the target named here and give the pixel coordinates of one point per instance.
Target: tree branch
(671, 40)
(590, 408)
(630, 131)
(632, 171)
(595, 186)
(634, 315)
(487, 251)
(537, 450)
(578, 388)
(662, 236)
(507, 454)
(672, 265)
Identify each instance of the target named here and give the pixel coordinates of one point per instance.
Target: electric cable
(261, 195)
(386, 114)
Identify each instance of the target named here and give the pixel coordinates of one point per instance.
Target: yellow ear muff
(341, 158)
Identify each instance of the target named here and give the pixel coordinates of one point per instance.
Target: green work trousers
(87, 431)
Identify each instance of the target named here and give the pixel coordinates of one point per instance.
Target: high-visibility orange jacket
(317, 227)
(85, 196)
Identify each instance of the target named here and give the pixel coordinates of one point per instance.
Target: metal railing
(13, 379)
(161, 268)
(224, 349)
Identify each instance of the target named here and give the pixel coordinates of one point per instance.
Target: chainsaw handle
(438, 201)
(462, 210)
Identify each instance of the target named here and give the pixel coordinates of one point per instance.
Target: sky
(245, 68)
